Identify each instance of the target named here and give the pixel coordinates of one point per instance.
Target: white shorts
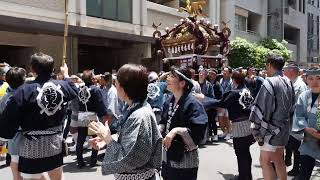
(269, 148)
(32, 176)
(15, 159)
(36, 176)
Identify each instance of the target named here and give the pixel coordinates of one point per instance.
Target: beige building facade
(104, 34)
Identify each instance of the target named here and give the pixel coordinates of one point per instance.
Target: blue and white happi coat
(306, 116)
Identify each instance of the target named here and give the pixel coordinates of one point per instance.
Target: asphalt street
(217, 162)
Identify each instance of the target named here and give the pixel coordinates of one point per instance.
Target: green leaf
(244, 53)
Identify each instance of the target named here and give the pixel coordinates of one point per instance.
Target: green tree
(241, 54)
(279, 47)
(244, 53)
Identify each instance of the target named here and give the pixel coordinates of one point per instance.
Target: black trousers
(293, 146)
(169, 173)
(242, 149)
(82, 135)
(213, 128)
(307, 165)
(66, 129)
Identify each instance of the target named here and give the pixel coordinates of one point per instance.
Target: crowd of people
(151, 124)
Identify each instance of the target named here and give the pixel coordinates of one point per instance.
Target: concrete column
(136, 8)
(217, 20)
(72, 13)
(214, 11)
(137, 16)
(264, 20)
(228, 10)
(83, 13)
(144, 14)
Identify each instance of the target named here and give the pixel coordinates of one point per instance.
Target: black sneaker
(293, 172)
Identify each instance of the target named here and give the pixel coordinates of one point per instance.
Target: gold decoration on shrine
(194, 9)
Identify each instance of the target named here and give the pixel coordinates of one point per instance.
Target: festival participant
(253, 82)
(182, 125)
(39, 109)
(206, 90)
(306, 122)
(238, 102)
(223, 117)
(15, 77)
(270, 117)
(111, 100)
(291, 70)
(4, 68)
(217, 89)
(156, 90)
(196, 86)
(72, 117)
(136, 152)
(91, 108)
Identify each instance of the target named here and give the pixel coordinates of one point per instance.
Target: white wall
(55, 5)
(26, 11)
(165, 15)
(259, 7)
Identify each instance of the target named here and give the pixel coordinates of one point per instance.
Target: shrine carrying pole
(65, 36)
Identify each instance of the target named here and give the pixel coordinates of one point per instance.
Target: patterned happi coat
(272, 111)
(306, 116)
(39, 108)
(138, 147)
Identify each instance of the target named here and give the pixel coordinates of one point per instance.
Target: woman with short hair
(137, 151)
(15, 77)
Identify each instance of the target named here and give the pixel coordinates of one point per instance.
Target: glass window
(241, 23)
(94, 8)
(119, 10)
(124, 10)
(109, 8)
